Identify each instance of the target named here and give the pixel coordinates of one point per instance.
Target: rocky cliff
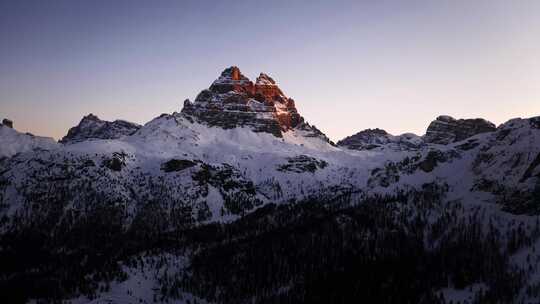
(235, 101)
(446, 129)
(371, 139)
(91, 127)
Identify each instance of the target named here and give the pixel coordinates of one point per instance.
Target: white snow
(142, 284)
(13, 142)
(259, 155)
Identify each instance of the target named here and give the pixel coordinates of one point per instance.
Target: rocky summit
(371, 139)
(443, 130)
(91, 127)
(8, 123)
(446, 129)
(235, 101)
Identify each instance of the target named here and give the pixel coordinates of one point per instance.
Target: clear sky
(349, 65)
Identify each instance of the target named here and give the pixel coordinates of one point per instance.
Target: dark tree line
(384, 250)
(399, 248)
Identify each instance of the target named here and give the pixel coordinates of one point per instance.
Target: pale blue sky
(349, 65)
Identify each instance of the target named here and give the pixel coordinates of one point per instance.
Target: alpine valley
(238, 199)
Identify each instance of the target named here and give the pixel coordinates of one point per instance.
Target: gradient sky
(349, 65)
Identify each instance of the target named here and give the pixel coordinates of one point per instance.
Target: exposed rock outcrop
(314, 132)
(235, 101)
(302, 163)
(8, 123)
(91, 127)
(370, 139)
(445, 129)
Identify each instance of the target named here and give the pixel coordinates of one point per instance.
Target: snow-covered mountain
(91, 127)
(377, 139)
(241, 147)
(249, 133)
(235, 101)
(13, 142)
(443, 130)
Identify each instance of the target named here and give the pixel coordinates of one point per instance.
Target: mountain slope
(13, 142)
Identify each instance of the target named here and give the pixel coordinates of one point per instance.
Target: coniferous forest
(402, 248)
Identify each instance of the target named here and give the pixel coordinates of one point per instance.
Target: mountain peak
(8, 123)
(91, 118)
(232, 72)
(370, 139)
(231, 79)
(234, 101)
(91, 127)
(264, 79)
(446, 118)
(446, 129)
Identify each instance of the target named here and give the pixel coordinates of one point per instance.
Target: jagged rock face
(379, 139)
(91, 127)
(313, 131)
(302, 163)
(8, 123)
(366, 139)
(235, 101)
(445, 129)
(509, 150)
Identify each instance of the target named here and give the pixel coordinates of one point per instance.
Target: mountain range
(116, 212)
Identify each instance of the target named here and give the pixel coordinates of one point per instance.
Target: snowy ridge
(91, 127)
(13, 142)
(287, 168)
(371, 139)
